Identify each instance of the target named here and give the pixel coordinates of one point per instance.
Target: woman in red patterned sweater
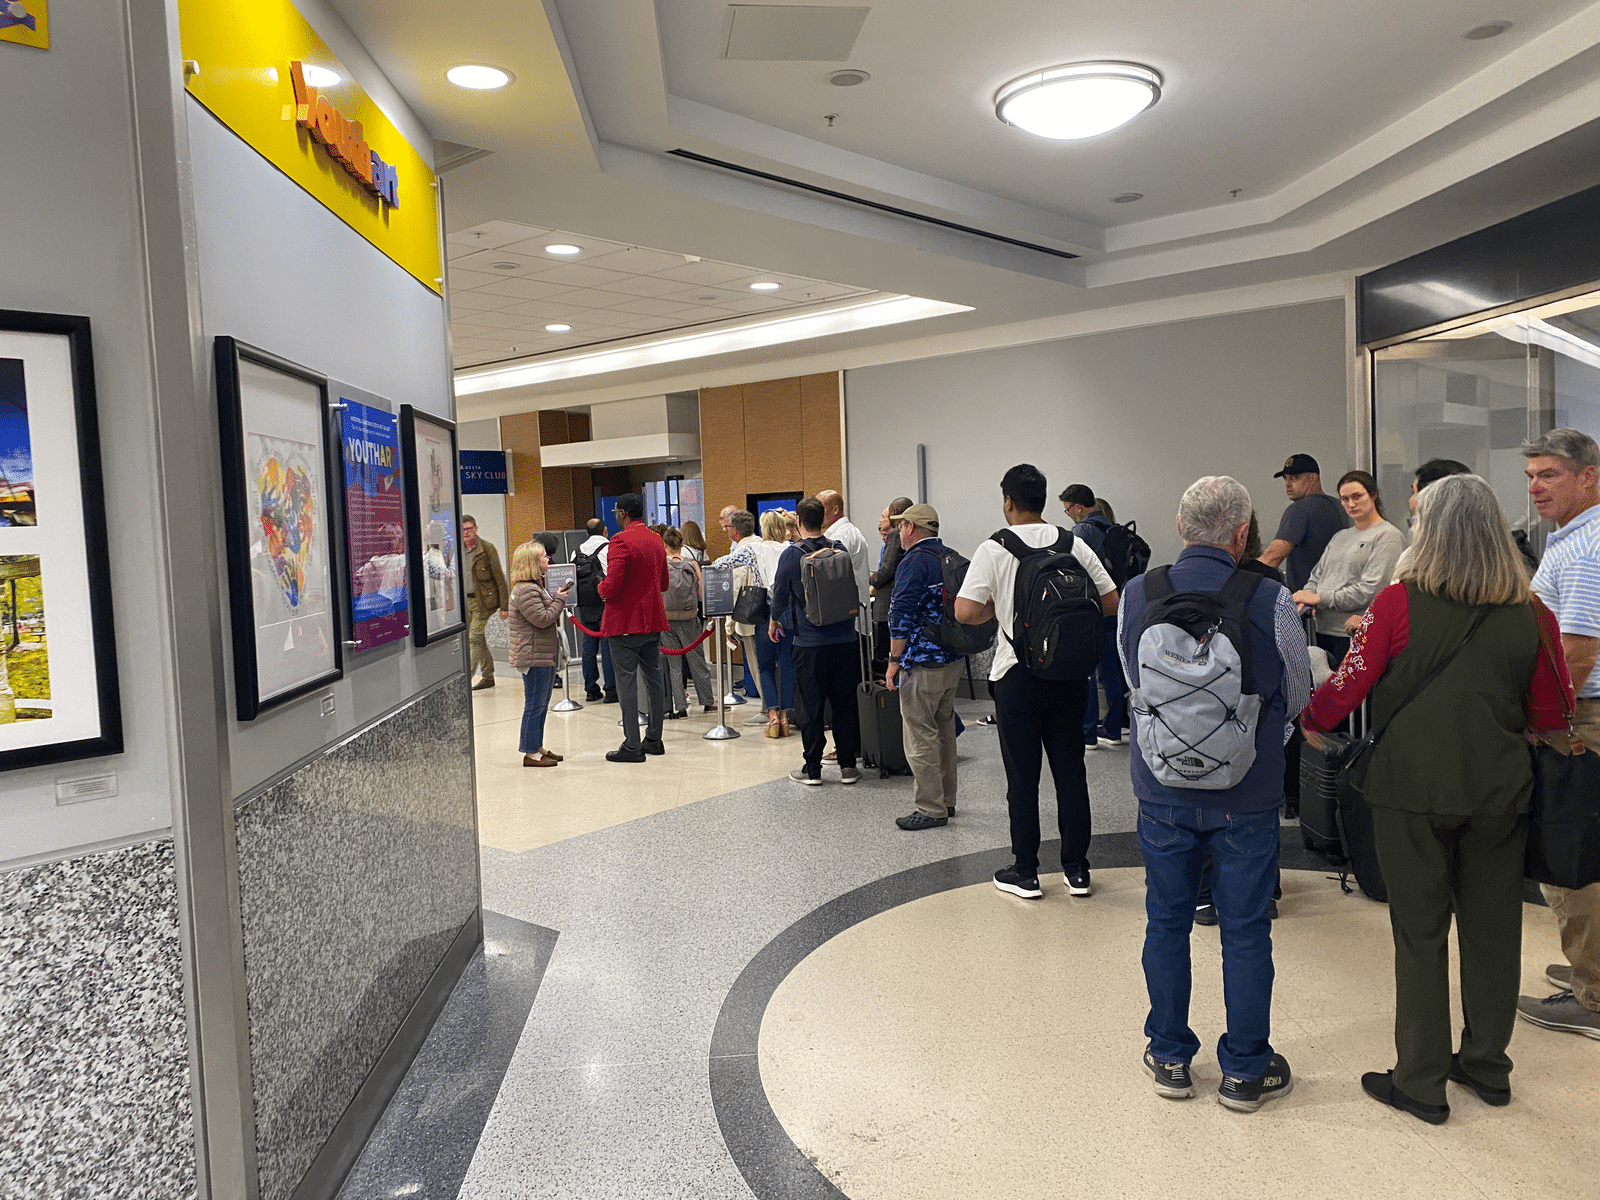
(1449, 782)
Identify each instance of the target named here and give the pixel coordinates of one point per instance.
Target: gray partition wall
(212, 975)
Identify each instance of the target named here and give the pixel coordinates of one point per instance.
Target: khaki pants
(482, 660)
(1578, 912)
(928, 720)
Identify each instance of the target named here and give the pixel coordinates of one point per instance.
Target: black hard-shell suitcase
(1359, 840)
(882, 741)
(1319, 794)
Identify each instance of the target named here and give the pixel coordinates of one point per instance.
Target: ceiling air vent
(791, 32)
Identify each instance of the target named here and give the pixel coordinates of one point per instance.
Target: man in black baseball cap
(1308, 524)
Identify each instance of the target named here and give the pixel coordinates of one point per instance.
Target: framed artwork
(374, 525)
(58, 658)
(433, 516)
(281, 545)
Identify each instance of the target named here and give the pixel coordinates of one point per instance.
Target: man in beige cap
(925, 673)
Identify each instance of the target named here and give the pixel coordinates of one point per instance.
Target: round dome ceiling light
(321, 77)
(765, 285)
(1482, 33)
(850, 78)
(1127, 197)
(563, 249)
(1077, 101)
(558, 328)
(477, 77)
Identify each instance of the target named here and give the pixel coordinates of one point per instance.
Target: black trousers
(638, 655)
(1039, 719)
(826, 675)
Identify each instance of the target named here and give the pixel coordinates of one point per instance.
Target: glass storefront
(1476, 392)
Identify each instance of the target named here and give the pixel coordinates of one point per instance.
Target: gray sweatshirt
(1352, 570)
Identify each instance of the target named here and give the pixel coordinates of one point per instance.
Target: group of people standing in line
(1443, 636)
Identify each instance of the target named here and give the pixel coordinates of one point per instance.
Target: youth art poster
(280, 543)
(375, 527)
(433, 507)
(58, 682)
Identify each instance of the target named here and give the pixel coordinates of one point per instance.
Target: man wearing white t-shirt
(851, 538)
(1036, 717)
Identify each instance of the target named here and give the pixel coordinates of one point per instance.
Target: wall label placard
(345, 139)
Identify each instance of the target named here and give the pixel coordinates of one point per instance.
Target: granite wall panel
(355, 873)
(94, 1054)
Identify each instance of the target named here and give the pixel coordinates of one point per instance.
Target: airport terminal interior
(316, 314)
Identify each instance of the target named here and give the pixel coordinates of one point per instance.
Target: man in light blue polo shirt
(1564, 481)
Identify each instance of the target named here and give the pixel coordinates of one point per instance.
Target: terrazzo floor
(705, 907)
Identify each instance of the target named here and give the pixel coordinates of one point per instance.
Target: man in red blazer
(636, 576)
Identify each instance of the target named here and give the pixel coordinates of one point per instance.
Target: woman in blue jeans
(535, 646)
(773, 659)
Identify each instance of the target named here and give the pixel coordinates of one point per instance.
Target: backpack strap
(1157, 585)
(1021, 549)
(1238, 592)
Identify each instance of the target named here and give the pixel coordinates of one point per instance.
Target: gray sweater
(1357, 564)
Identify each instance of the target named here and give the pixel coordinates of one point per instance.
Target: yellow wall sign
(263, 72)
(26, 22)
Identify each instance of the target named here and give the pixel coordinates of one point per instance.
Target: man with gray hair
(1180, 816)
(1564, 481)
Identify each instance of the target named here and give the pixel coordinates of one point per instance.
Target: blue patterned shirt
(1568, 581)
(917, 602)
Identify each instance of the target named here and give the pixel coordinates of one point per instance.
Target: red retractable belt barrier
(704, 634)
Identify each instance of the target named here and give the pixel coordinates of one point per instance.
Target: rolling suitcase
(1359, 841)
(1319, 794)
(882, 742)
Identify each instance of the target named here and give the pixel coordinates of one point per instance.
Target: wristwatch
(894, 658)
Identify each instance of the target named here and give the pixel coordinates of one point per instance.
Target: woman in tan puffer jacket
(535, 646)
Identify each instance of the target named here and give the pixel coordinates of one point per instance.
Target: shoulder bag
(1353, 770)
(1564, 815)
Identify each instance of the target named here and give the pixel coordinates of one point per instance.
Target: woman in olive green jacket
(1449, 783)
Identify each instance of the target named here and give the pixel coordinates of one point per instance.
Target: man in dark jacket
(882, 581)
(1239, 823)
(1089, 526)
(635, 618)
(827, 658)
(924, 673)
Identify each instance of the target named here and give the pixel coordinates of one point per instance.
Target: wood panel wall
(773, 435)
(519, 434)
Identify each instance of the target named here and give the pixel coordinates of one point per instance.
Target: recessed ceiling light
(1488, 29)
(558, 328)
(503, 266)
(478, 77)
(321, 77)
(1077, 101)
(765, 285)
(1127, 197)
(564, 249)
(848, 78)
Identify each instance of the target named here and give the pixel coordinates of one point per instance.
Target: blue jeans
(1116, 687)
(596, 653)
(1244, 847)
(774, 659)
(536, 685)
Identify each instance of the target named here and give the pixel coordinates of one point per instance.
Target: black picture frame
(250, 702)
(417, 522)
(96, 565)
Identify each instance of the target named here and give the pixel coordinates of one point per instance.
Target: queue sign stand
(568, 641)
(717, 604)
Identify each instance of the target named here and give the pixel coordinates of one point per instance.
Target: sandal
(775, 727)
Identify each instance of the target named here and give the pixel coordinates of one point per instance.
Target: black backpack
(1057, 632)
(1124, 553)
(589, 576)
(950, 634)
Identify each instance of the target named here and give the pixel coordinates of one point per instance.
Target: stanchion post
(721, 732)
(568, 704)
(731, 697)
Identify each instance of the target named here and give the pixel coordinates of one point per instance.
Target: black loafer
(1380, 1086)
(1498, 1097)
(653, 746)
(623, 754)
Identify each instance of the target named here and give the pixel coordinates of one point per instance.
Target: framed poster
(58, 656)
(281, 546)
(433, 516)
(374, 525)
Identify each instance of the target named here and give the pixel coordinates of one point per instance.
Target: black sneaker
(592, 695)
(949, 810)
(1205, 914)
(1493, 1096)
(610, 698)
(1078, 882)
(1272, 910)
(1172, 1079)
(1026, 886)
(1247, 1095)
(1380, 1086)
(623, 754)
(653, 746)
(920, 820)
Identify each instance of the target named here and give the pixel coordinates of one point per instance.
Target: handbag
(1564, 814)
(1352, 774)
(752, 608)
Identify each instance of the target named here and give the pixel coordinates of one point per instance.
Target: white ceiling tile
(591, 298)
(578, 275)
(551, 310)
(473, 300)
(591, 247)
(753, 302)
(643, 285)
(636, 260)
(653, 308)
(484, 260)
(522, 289)
(461, 278)
(704, 295)
(636, 321)
(494, 233)
(704, 272)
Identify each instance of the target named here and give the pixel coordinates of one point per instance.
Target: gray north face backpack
(1196, 703)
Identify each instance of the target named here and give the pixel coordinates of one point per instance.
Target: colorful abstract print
(288, 521)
